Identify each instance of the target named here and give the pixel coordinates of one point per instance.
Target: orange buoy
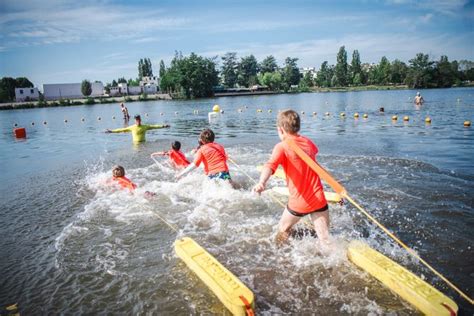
(467, 123)
(19, 132)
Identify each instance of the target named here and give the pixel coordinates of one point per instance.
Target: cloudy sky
(53, 41)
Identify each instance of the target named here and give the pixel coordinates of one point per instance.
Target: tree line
(196, 76)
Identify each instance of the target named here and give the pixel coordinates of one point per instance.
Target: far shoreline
(167, 97)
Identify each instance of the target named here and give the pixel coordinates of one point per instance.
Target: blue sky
(52, 41)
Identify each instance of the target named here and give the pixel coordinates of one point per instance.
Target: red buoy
(19, 132)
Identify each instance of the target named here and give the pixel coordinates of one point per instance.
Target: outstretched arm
(159, 153)
(119, 130)
(156, 126)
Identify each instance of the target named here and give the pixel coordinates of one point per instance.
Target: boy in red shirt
(306, 190)
(177, 158)
(118, 176)
(212, 155)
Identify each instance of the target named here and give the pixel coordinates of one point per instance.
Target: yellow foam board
(226, 286)
(330, 196)
(407, 285)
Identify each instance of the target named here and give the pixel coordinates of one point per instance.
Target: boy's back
(306, 190)
(213, 156)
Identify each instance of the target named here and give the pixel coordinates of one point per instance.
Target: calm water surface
(71, 245)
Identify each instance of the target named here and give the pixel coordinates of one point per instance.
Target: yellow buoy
(269, 111)
(237, 297)
(428, 120)
(259, 110)
(356, 115)
(467, 123)
(342, 114)
(394, 118)
(216, 108)
(366, 115)
(410, 287)
(406, 118)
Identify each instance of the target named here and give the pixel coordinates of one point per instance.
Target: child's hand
(259, 188)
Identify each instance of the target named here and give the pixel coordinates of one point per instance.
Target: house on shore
(70, 91)
(26, 94)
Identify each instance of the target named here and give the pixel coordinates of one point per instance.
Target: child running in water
(306, 191)
(177, 158)
(212, 155)
(118, 176)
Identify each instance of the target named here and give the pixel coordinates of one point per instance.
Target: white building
(132, 90)
(312, 71)
(150, 85)
(150, 88)
(70, 90)
(26, 94)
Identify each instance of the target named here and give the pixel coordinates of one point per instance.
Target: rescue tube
(238, 299)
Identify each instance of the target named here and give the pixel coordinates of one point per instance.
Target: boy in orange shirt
(118, 176)
(177, 158)
(212, 155)
(306, 191)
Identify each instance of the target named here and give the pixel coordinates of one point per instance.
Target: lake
(72, 245)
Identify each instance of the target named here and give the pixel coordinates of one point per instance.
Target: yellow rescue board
(330, 196)
(226, 286)
(410, 287)
(279, 173)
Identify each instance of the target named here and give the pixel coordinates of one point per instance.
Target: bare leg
(321, 225)
(287, 221)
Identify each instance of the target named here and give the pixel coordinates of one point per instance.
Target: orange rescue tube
(19, 132)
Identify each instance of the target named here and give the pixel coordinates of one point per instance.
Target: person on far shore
(126, 116)
(138, 130)
(419, 99)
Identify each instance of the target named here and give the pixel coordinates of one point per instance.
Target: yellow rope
(408, 249)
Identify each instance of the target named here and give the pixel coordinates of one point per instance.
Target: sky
(53, 41)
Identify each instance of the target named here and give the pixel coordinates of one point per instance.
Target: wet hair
(137, 117)
(118, 171)
(289, 121)
(176, 145)
(207, 136)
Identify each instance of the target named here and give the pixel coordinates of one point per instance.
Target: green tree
(445, 74)
(307, 80)
(268, 65)
(420, 74)
(356, 68)
(247, 71)
(144, 68)
(290, 73)
(23, 82)
(398, 72)
(162, 68)
(229, 69)
(341, 68)
(86, 88)
(114, 83)
(122, 80)
(324, 76)
(383, 71)
(273, 80)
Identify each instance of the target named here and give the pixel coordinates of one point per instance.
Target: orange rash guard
(306, 189)
(125, 183)
(214, 158)
(178, 159)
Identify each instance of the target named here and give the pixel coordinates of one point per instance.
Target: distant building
(26, 94)
(114, 91)
(311, 70)
(132, 90)
(150, 85)
(366, 67)
(70, 90)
